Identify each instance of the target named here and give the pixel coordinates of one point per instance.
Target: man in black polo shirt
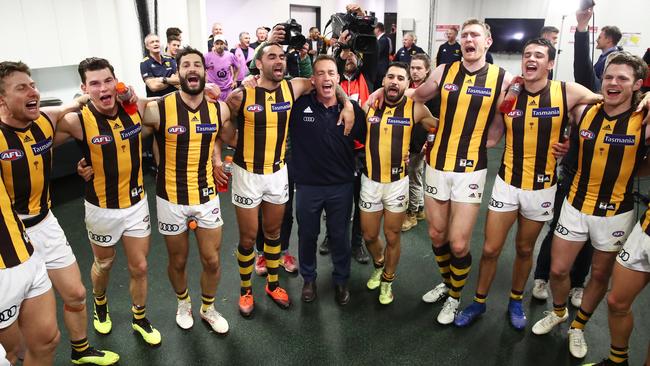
(405, 53)
(157, 69)
(449, 51)
(323, 168)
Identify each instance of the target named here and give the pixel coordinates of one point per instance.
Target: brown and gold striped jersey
(262, 126)
(112, 145)
(186, 139)
(467, 105)
(611, 148)
(536, 123)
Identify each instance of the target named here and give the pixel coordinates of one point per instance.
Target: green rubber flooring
(323, 333)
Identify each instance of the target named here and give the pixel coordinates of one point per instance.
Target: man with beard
(222, 67)
(259, 173)
(385, 185)
(525, 187)
(419, 69)
(187, 127)
(115, 202)
(26, 140)
(600, 204)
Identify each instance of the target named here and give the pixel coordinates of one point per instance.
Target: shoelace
(550, 318)
(448, 307)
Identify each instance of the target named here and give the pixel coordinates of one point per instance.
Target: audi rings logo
(431, 189)
(561, 229)
(364, 204)
(168, 227)
(496, 204)
(7, 314)
(623, 254)
(243, 200)
(99, 238)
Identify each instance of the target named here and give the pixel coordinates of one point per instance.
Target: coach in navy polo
(323, 167)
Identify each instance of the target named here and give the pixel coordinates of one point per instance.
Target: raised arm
(577, 94)
(56, 113)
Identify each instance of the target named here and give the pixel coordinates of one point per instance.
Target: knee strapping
(102, 265)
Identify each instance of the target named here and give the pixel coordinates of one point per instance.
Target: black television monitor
(509, 35)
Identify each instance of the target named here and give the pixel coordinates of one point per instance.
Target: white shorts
(375, 196)
(534, 205)
(105, 226)
(607, 234)
(250, 189)
(635, 254)
(50, 242)
(3, 359)
(172, 218)
(24, 281)
(458, 187)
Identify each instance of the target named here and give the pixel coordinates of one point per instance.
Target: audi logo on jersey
(7, 314)
(99, 238)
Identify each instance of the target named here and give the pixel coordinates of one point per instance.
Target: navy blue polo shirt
(150, 68)
(320, 153)
(404, 54)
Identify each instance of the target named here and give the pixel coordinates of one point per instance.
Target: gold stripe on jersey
(610, 151)
(262, 128)
(387, 140)
(536, 123)
(15, 247)
(186, 139)
(26, 164)
(112, 146)
(467, 106)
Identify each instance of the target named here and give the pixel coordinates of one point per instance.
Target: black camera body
(361, 29)
(293, 34)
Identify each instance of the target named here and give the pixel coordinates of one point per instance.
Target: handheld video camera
(293, 34)
(360, 27)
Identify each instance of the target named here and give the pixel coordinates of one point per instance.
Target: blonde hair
(473, 21)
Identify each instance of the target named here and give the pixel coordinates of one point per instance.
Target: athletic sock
(206, 302)
(272, 250)
(460, 268)
(246, 262)
(139, 311)
(481, 299)
(443, 256)
(516, 295)
(618, 354)
(581, 319)
(80, 345)
(183, 296)
(559, 309)
(387, 277)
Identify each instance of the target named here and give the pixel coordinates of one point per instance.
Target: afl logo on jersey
(374, 119)
(11, 155)
(177, 130)
(516, 113)
(255, 108)
(587, 135)
(451, 87)
(101, 140)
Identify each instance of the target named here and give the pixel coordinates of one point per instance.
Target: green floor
(362, 333)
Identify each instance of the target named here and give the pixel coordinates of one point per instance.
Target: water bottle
(511, 96)
(191, 223)
(227, 169)
(124, 95)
